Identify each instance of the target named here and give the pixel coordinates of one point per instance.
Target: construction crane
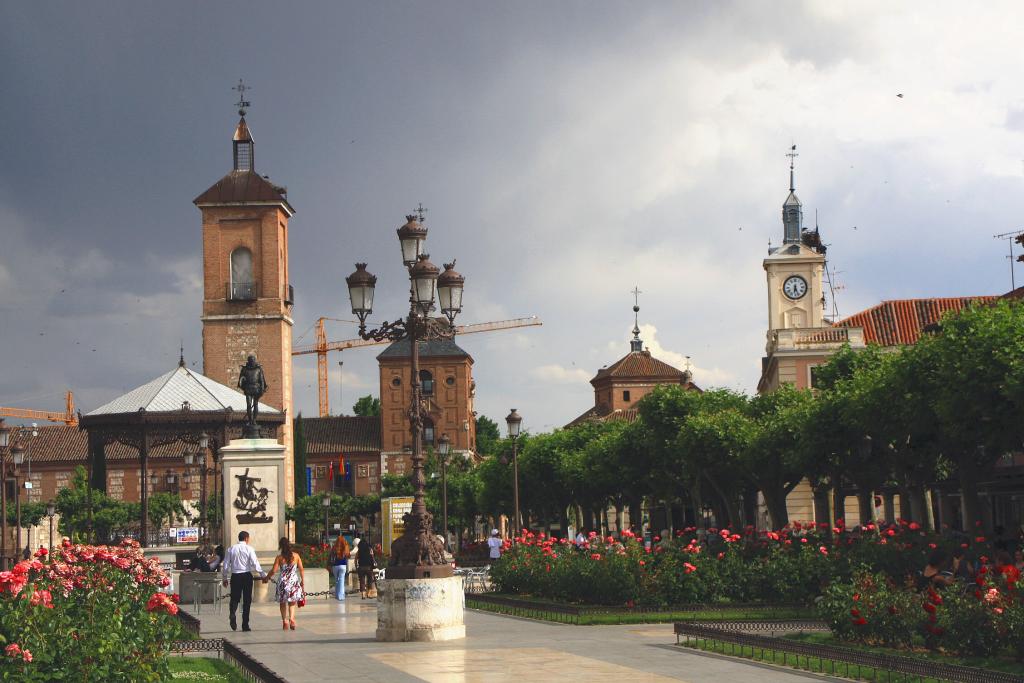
(68, 417)
(322, 346)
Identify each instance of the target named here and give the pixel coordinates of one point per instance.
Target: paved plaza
(335, 641)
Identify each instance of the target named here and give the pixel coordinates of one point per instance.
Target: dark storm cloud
(566, 151)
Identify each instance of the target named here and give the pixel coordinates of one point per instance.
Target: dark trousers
(365, 578)
(241, 589)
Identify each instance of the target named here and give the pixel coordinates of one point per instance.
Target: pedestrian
(365, 565)
(938, 573)
(494, 545)
(291, 586)
(581, 540)
(239, 564)
(339, 566)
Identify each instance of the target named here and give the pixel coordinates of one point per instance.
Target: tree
(165, 507)
(487, 435)
(299, 441)
(83, 515)
(772, 461)
(367, 406)
(31, 514)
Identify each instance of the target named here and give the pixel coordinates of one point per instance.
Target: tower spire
(242, 141)
(792, 210)
(635, 345)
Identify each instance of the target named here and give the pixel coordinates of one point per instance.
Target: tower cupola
(243, 146)
(635, 344)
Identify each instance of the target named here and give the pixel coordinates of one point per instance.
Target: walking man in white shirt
(239, 564)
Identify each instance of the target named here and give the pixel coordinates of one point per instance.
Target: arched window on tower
(243, 284)
(426, 383)
(428, 432)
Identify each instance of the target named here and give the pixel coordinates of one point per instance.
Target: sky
(566, 152)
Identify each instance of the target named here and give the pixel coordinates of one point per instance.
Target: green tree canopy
(367, 406)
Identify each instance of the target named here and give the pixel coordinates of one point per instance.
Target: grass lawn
(203, 670)
(616, 615)
(1006, 663)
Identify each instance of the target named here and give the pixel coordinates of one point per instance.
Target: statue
(253, 384)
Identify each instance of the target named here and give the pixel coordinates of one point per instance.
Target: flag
(330, 475)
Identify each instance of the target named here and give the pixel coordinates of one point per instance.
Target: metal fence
(830, 659)
(249, 668)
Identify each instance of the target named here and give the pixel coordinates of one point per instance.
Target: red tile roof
(643, 365)
(334, 435)
(70, 445)
(901, 321)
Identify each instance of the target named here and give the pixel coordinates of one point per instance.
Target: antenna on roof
(181, 354)
(1011, 237)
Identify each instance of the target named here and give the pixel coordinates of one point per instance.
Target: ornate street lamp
(18, 457)
(8, 437)
(417, 553)
(444, 445)
(514, 421)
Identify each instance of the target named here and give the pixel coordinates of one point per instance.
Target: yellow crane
(68, 417)
(322, 346)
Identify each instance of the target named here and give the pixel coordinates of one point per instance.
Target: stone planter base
(420, 609)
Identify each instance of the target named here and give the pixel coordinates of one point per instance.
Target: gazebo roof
(169, 392)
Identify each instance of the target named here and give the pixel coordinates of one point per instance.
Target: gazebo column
(144, 485)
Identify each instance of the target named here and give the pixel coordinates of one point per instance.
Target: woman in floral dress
(291, 584)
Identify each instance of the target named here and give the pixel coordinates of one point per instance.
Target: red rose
(929, 607)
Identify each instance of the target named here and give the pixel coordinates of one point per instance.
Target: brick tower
(247, 300)
(446, 380)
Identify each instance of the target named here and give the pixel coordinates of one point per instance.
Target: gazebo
(178, 406)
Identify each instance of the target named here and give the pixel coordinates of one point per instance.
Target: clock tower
(799, 338)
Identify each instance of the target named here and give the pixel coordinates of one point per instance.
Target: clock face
(794, 287)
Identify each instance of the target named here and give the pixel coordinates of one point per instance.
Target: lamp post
(326, 503)
(18, 456)
(8, 436)
(443, 447)
(417, 554)
(204, 472)
(514, 421)
(51, 510)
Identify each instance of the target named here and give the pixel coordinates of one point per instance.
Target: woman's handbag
(301, 603)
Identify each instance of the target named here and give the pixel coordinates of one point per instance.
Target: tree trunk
(889, 503)
(969, 496)
(918, 513)
(821, 510)
(775, 501)
(865, 506)
(838, 504)
(750, 506)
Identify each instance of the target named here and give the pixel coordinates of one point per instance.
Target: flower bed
(982, 618)
(791, 565)
(88, 613)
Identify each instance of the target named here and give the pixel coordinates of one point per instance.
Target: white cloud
(556, 374)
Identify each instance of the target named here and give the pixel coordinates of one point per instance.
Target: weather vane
(242, 102)
(419, 210)
(636, 296)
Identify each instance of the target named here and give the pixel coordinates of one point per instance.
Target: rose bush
(791, 565)
(978, 619)
(86, 613)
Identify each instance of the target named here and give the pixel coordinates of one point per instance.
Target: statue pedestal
(420, 609)
(253, 475)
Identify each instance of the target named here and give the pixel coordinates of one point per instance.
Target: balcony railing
(809, 338)
(242, 291)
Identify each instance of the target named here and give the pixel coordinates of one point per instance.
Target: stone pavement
(335, 642)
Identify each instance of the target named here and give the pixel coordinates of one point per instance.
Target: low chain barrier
(833, 660)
